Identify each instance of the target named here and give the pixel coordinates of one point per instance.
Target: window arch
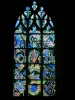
(34, 57)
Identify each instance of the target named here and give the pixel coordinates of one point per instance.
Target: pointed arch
(34, 56)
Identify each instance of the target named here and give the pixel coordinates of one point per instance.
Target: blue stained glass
(51, 23)
(27, 13)
(17, 23)
(34, 23)
(38, 78)
(53, 74)
(18, 74)
(32, 74)
(44, 23)
(30, 22)
(21, 81)
(41, 8)
(34, 7)
(49, 41)
(46, 17)
(34, 2)
(17, 65)
(19, 55)
(34, 45)
(38, 22)
(33, 88)
(47, 88)
(48, 28)
(24, 73)
(48, 56)
(24, 22)
(16, 84)
(53, 35)
(41, 13)
(44, 73)
(20, 27)
(52, 66)
(37, 17)
(27, 8)
(20, 41)
(19, 87)
(34, 29)
(46, 53)
(30, 45)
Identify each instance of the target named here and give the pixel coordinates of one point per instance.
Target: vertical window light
(34, 56)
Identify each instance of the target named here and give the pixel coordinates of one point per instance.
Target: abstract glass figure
(34, 41)
(49, 41)
(19, 87)
(34, 71)
(34, 56)
(20, 55)
(34, 90)
(34, 53)
(19, 41)
(20, 71)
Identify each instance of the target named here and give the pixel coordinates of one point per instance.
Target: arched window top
(34, 57)
(31, 18)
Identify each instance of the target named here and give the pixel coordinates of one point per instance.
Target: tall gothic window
(34, 56)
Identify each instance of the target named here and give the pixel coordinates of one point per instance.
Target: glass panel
(49, 41)
(20, 56)
(34, 41)
(34, 71)
(19, 87)
(48, 56)
(19, 41)
(34, 56)
(49, 71)
(48, 88)
(34, 89)
(20, 29)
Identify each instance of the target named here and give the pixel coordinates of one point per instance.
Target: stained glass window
(34, 56)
